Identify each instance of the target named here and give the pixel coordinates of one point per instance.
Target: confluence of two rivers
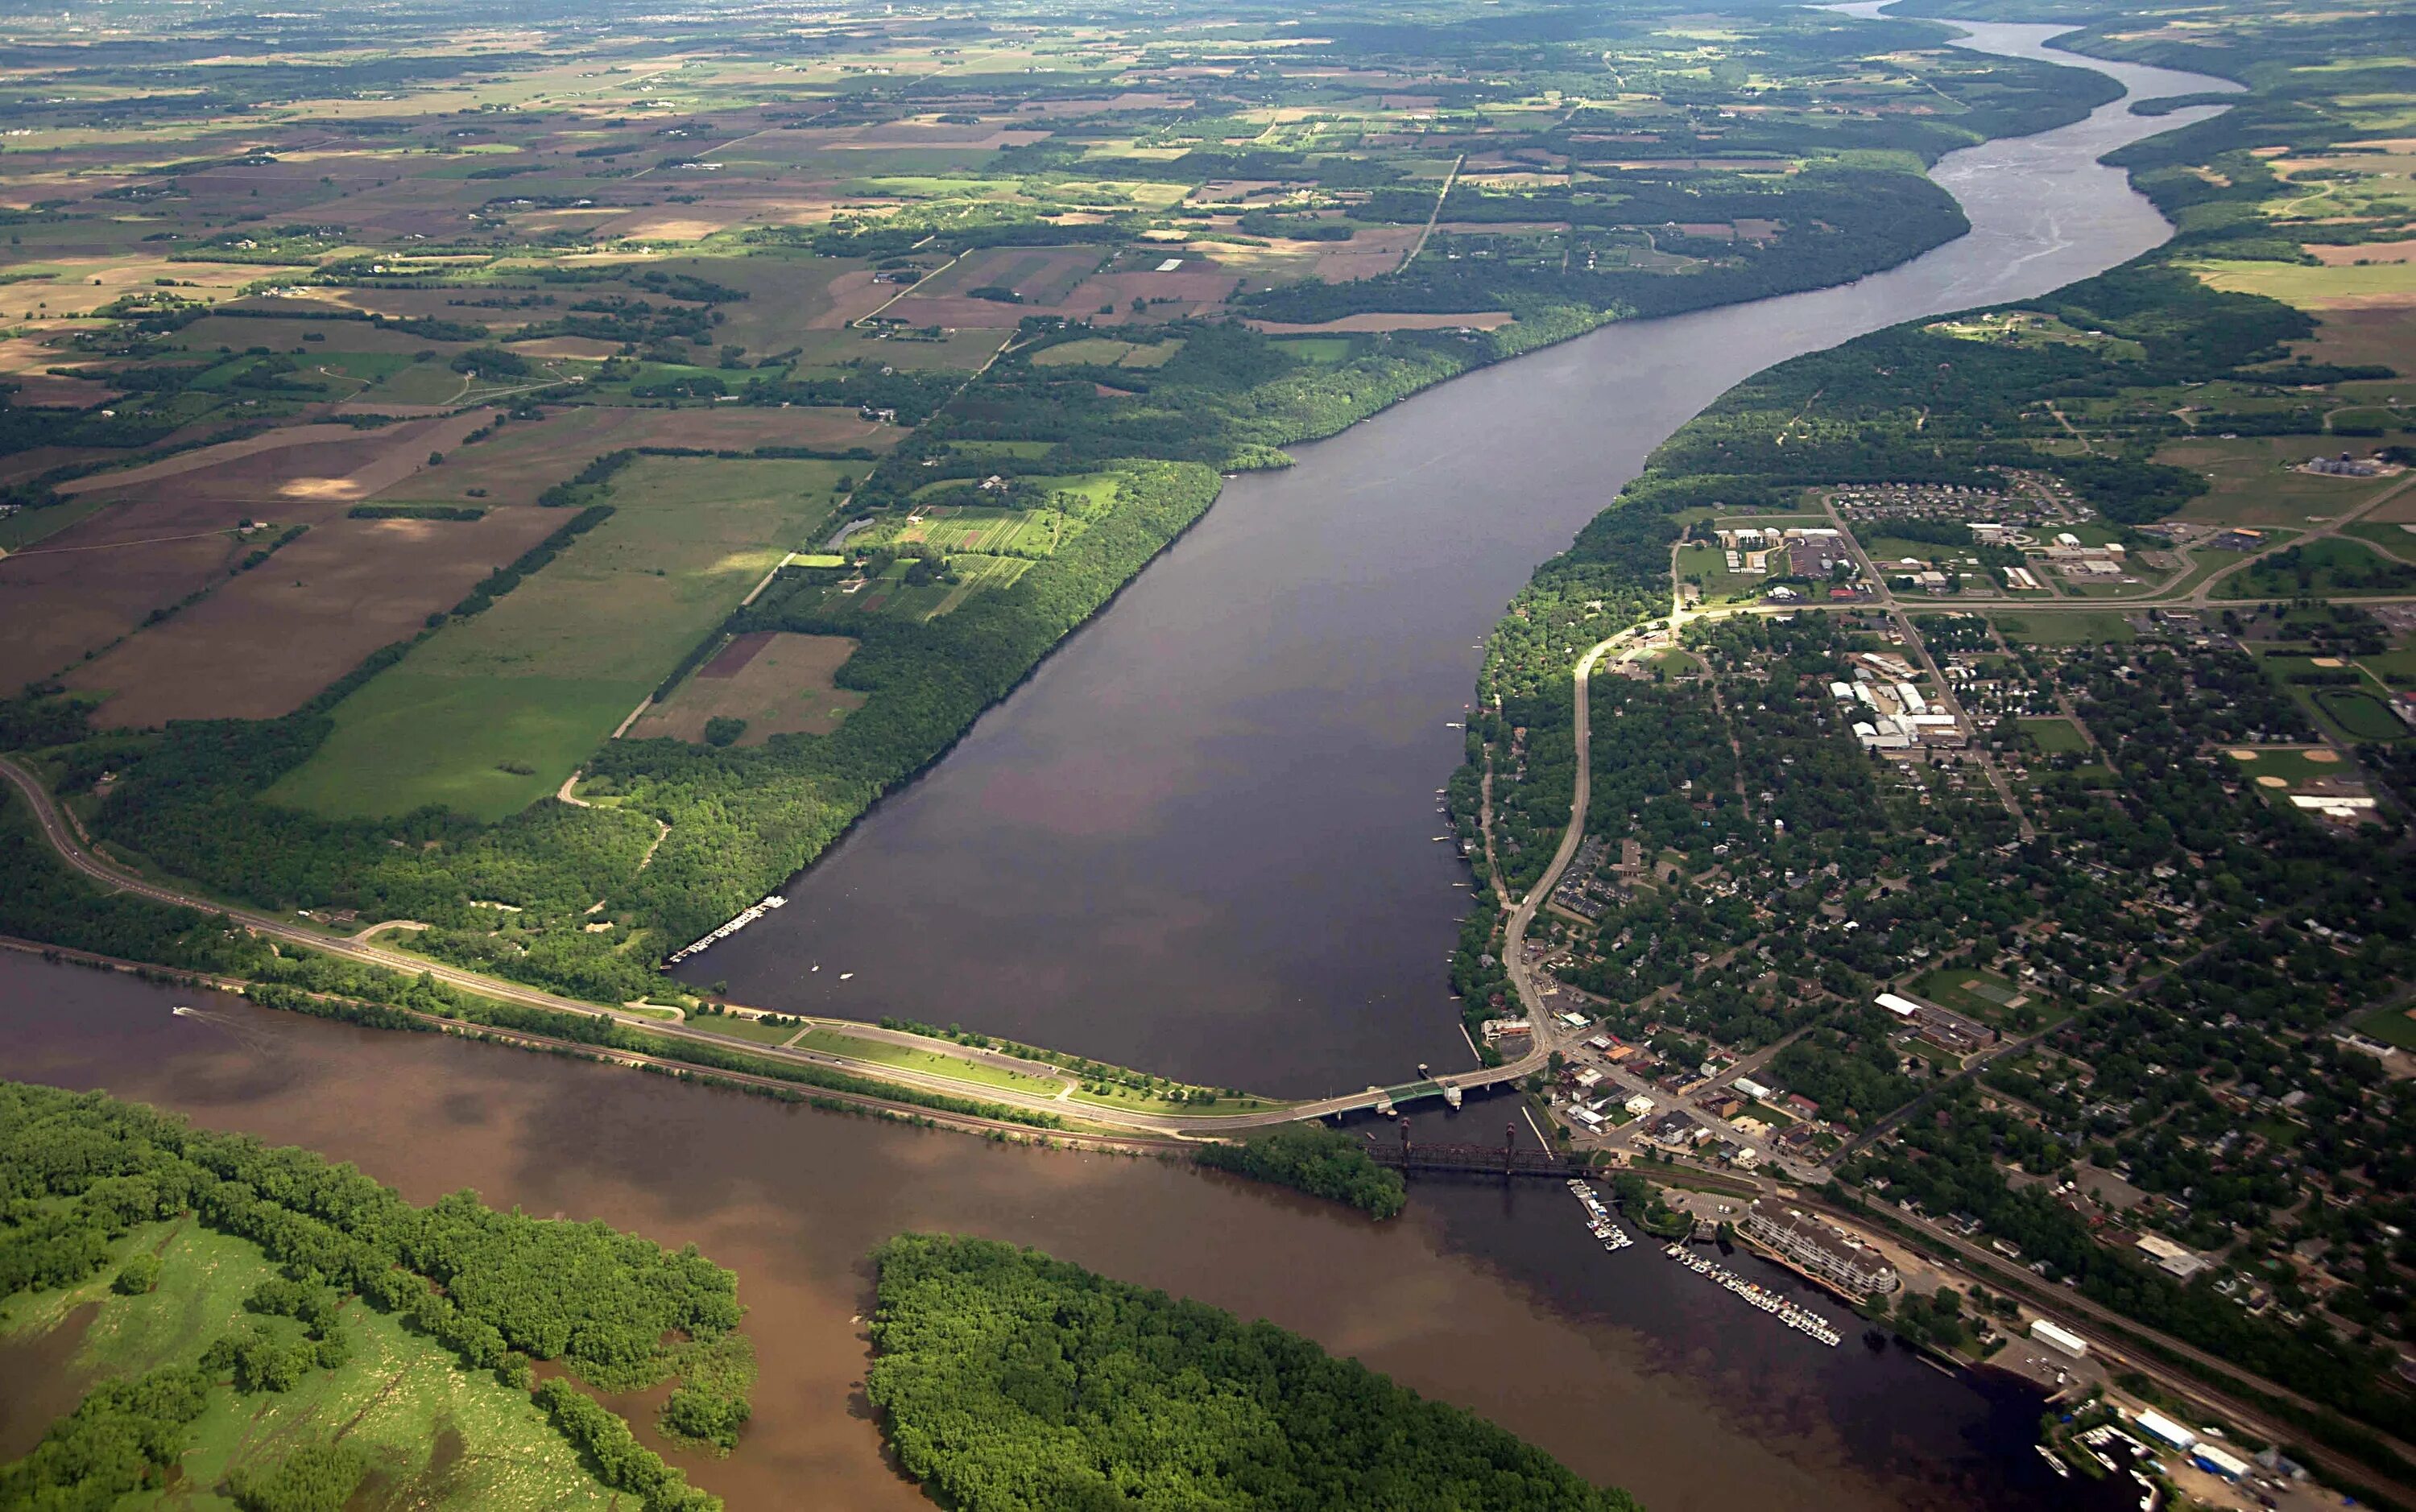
(1192, 843)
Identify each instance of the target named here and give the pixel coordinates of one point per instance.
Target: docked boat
(1794, 1315)
(1598, 1220)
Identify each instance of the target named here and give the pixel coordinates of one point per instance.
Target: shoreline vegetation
(1009, 1382)
(93, 1183)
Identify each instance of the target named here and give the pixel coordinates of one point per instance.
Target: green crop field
(436, 1436)
(544, 676)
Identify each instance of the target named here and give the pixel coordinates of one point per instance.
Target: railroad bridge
(1506, 1160)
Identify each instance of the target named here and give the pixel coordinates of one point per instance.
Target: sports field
(492, 712)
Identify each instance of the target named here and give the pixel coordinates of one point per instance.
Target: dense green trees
(317, 1477)
(1008, 1381)
(122, 1438)
(1324, 1163)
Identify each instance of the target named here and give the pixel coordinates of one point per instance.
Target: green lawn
(544, 677)
(436, 1436)
(2054, 736)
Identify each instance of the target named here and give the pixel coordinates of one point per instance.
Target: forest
(1009, 1382)
(496, 1290)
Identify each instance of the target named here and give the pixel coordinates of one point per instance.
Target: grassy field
(904, 1058)
(1131, 1100)
(538, 680)
(2314, 287)
(437, 1436)
(2082, 628)
(2397, 539)
(2334, 565)
(1112, 353)
(1708, 566)
(2054, 736)
(740, 1027)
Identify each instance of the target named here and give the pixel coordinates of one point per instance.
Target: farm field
(2253, 482)
(539, 680)
(266, 641)
(777, 683)
(525, 457)
(2318, 287)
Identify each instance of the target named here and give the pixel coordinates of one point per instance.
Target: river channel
(1200, 840)
(1197, 841)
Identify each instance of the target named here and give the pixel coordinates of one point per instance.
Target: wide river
(1201, 839)
(1197, 841)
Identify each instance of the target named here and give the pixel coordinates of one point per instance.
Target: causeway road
(64, 837)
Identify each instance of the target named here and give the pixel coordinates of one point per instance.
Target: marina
(1598, 1220)
(771, 900)
(1802, 1320)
